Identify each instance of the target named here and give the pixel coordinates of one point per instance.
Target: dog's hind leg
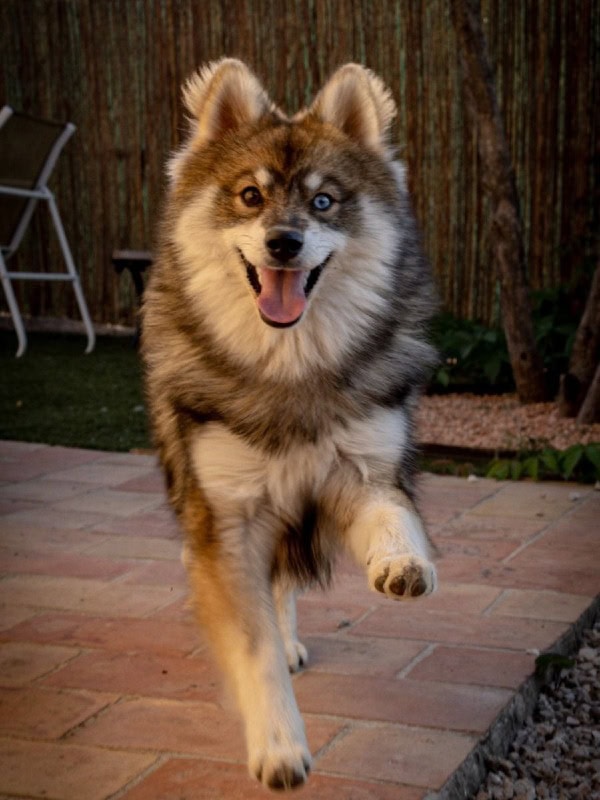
(285, 603)
(235, 604)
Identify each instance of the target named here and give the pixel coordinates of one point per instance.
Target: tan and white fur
(285, 348)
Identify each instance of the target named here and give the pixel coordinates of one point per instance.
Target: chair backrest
(29, 148)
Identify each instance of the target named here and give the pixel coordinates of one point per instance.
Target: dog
(284, 334)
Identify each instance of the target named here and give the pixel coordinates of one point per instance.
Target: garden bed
(498, 422)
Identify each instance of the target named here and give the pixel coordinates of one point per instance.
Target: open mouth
(282, 294)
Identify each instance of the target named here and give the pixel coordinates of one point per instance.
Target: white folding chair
(29, 149)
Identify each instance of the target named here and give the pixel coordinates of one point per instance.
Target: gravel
(556, 755)
(498, 422)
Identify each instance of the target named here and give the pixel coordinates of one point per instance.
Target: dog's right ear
(222, 97)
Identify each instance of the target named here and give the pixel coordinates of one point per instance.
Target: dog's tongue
(282, 297)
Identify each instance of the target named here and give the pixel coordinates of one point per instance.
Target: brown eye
(251, 196)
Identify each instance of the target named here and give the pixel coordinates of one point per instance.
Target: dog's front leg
(387, 536)
(235, 604)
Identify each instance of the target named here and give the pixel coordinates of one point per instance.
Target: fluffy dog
(285, 348)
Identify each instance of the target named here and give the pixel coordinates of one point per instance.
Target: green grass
(58, 395)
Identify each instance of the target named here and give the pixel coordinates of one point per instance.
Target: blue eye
(322, 201)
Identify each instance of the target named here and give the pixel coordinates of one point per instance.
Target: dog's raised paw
(402, 577)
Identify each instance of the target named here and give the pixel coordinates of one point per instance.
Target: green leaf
(551, 662)
(516, 469)
(570, 458)
(499, 469)
(443, 376)
(491, 368)
(531, 467)
(592, 453)
(549, 459)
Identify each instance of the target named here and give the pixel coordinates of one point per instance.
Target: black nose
(284, 243)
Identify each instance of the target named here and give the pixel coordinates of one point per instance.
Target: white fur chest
(236, 476)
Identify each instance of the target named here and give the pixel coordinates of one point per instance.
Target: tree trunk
(499, 183)
(574, 385)
(590, 410)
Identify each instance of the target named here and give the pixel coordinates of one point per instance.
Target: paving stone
(62, 564)
(467, 665)
(160, 523)
(417, 757)
(34, 713)
(497, 528)
(42, 491)
(98, 473)
(208, 780)
(83, 596)
(463, 629)
(110, 501)
(527, 501)
(443, 705)
(532, 604)
(13, 615)
(22, 662)
(122, 635)
(57, 770)
(115, 546)
(201, 728)
(360, 655)
(158, 573)
(147, 674)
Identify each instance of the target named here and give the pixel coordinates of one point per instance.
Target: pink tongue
(282, 297)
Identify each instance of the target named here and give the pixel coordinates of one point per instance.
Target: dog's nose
(284, 243)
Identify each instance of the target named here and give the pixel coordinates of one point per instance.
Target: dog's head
(278, 202)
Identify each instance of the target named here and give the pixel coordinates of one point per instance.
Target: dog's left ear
(224, 96)
(357, 102)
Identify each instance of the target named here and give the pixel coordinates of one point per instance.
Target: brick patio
(107, 690)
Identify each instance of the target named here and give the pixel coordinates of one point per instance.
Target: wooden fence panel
(114, 68)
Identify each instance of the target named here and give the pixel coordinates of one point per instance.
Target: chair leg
(85, 314)
(13, 308)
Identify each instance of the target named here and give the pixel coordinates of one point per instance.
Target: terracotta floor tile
(360, 655)
(42, 491)
(320, 615)
(479, 528)
(149, 482)
(466, 665)
(20, 537)
(201, 728)
(56, 518)
(147, 674)
(83, 596)
(527, 501)
(542, 604)
(160, 523)
(465, 629)
(122, 635)
(61, 564)
(23, 662)
(13, 615)
(60, 771)
(35, 713)
(454, 597)
(440, 705)
(98, 474)
(409, 755)
(117, 546)
(110, 501)
(158, 573)
(209, 780)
